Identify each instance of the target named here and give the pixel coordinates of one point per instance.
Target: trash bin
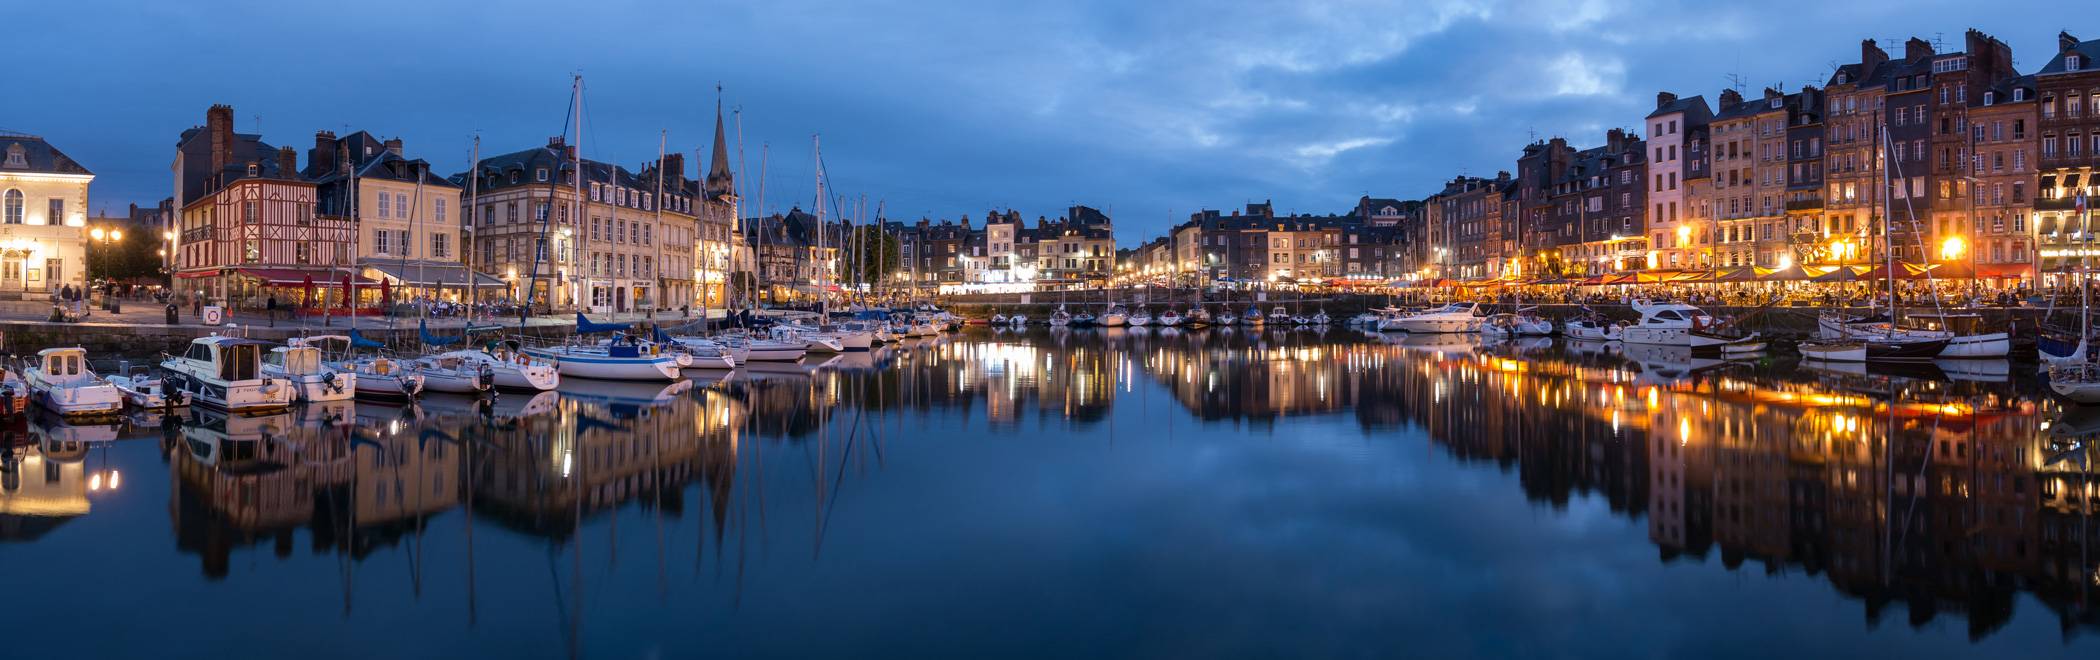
(116, 306)
(174, 314)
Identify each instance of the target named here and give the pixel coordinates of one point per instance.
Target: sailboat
(2072, 348)
(373, 375)
(624, 357)
(311, 378)
(1115, 317)
(1141, 318)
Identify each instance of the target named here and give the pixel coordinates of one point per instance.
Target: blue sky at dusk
(939, 108)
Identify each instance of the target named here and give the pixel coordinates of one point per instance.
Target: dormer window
(1990, 98)
(2019, 94)
(540, 175)
(17, 157)
(2071, 62)
(253, 169)
(1841, 77)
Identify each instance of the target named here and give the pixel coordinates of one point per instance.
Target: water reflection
(1952, 490)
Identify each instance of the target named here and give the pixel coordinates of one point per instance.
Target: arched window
(11, 208)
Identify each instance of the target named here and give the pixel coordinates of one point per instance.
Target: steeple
(720, 183)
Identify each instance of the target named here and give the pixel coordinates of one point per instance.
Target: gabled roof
(1691, 105)
(37, 156)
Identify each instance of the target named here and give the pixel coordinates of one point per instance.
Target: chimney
(1615, 140)
(287, 163)
(1870, 55)
(342, 159)
(2065, 42)
(1729, 99)
(1663, 99)
(322, 158)
(219, 121)
(1916, 48)
(393, 146)
(1773, 94)
(673, 166)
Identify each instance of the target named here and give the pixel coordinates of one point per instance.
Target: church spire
(720, 183)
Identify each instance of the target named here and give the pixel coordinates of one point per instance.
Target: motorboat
(510, 367)
(1833, 350)
(1115, 317)
(1518, 324)
(623, 358)
(62, 381)
(1083, 320)
(143, 389)
(1281, 314)
(454, 374)
(1141, 318)
(1060, 318)
(1594, 328)
(1454, 317)
(1364, 320)
(14, 392)
(1677, 324)
(311, 379)
(1387, 319)
(226, 373)
(1169, 319)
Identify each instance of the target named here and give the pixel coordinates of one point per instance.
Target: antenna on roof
(1735, 82)
(1936, 41)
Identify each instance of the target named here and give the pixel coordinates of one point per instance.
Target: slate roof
(2089, 52)
(195, 145)
(39, 156)
(1691, 105)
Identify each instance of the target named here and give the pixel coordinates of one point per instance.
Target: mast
(663, 138)
(701, 239)
(816, 148)
(582, 203)
(1888, 249)
(415, 215)
(467, 246)
(356, 241)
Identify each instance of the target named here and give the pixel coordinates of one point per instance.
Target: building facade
(43, 208)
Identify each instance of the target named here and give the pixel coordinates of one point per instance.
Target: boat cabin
(295, 360)
(231, 359)
(63, 363)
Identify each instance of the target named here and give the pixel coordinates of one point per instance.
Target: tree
(868, 256)
(137, 255)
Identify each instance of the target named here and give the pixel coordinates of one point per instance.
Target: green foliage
(869, 255)
(137, 255)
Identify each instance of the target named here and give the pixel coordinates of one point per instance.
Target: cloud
(1575, 74)
(1319, 153)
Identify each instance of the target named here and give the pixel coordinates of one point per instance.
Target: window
(248, 212)
(438, 212)
(386, 205)
(512, 212)
(302, 253)
(2072, 62)
(440, 245)
(401, 204)
(539, 211)
(57, 212)
(540, 174)
(379, 242)
(13, 207)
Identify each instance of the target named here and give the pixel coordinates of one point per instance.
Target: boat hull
(604, 367)
(1421, 325)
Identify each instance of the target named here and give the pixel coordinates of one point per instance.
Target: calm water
(1084, 493)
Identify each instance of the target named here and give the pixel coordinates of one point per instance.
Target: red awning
(298, 277)
(2004, 271)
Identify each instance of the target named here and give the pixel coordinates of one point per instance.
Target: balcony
(1804, 204)
(2062, 204)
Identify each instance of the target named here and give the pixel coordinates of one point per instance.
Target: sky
(943, 108)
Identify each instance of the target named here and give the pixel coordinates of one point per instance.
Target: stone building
(43, 207)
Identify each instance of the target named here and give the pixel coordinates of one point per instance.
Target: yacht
(1115, 317)
(622, 358)
(311, 379)
(2079, 383)
(812, 340)
(998, 319)
(62, 381)
(1364, 320)
(1387, 319)
(745, 349)
(226, 373)
(510, 368)
(1520, 324)
(1084, 320)
(1969, 342)
(1454, 317)
(454, 374)
(1140, 318)
(1675, 324)
(1253, 316)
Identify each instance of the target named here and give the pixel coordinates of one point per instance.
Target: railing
(1804, 204)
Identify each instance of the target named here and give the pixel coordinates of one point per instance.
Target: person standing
(272, 306)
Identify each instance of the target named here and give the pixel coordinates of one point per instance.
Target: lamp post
(106, 237)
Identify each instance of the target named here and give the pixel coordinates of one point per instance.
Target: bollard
(173, 314)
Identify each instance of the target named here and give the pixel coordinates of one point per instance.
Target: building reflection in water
(1933, 492)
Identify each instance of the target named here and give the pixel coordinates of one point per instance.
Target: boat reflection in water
(995, 457)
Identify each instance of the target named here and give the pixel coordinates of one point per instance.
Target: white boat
(14, 392)
(454, 374)
(2077, 382)
(1060, 318)
(812, 341)
(626, 358)
(62, 381)
(145, 390)
(374, 376)
(1454, 317)
(226, 373)
(1676, 324)
(311, 379)
(511, 368)
(744, 349)
(1594, 329)
(1833, 350)
(1321, 318)
(998, 319)
(1227, 318)
(1388, 319)
(1115, 317)
(1169, 319)
(1018, 319)
(1140, 318)
(1280, 314)
(1964, 344)
(1364, 320)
